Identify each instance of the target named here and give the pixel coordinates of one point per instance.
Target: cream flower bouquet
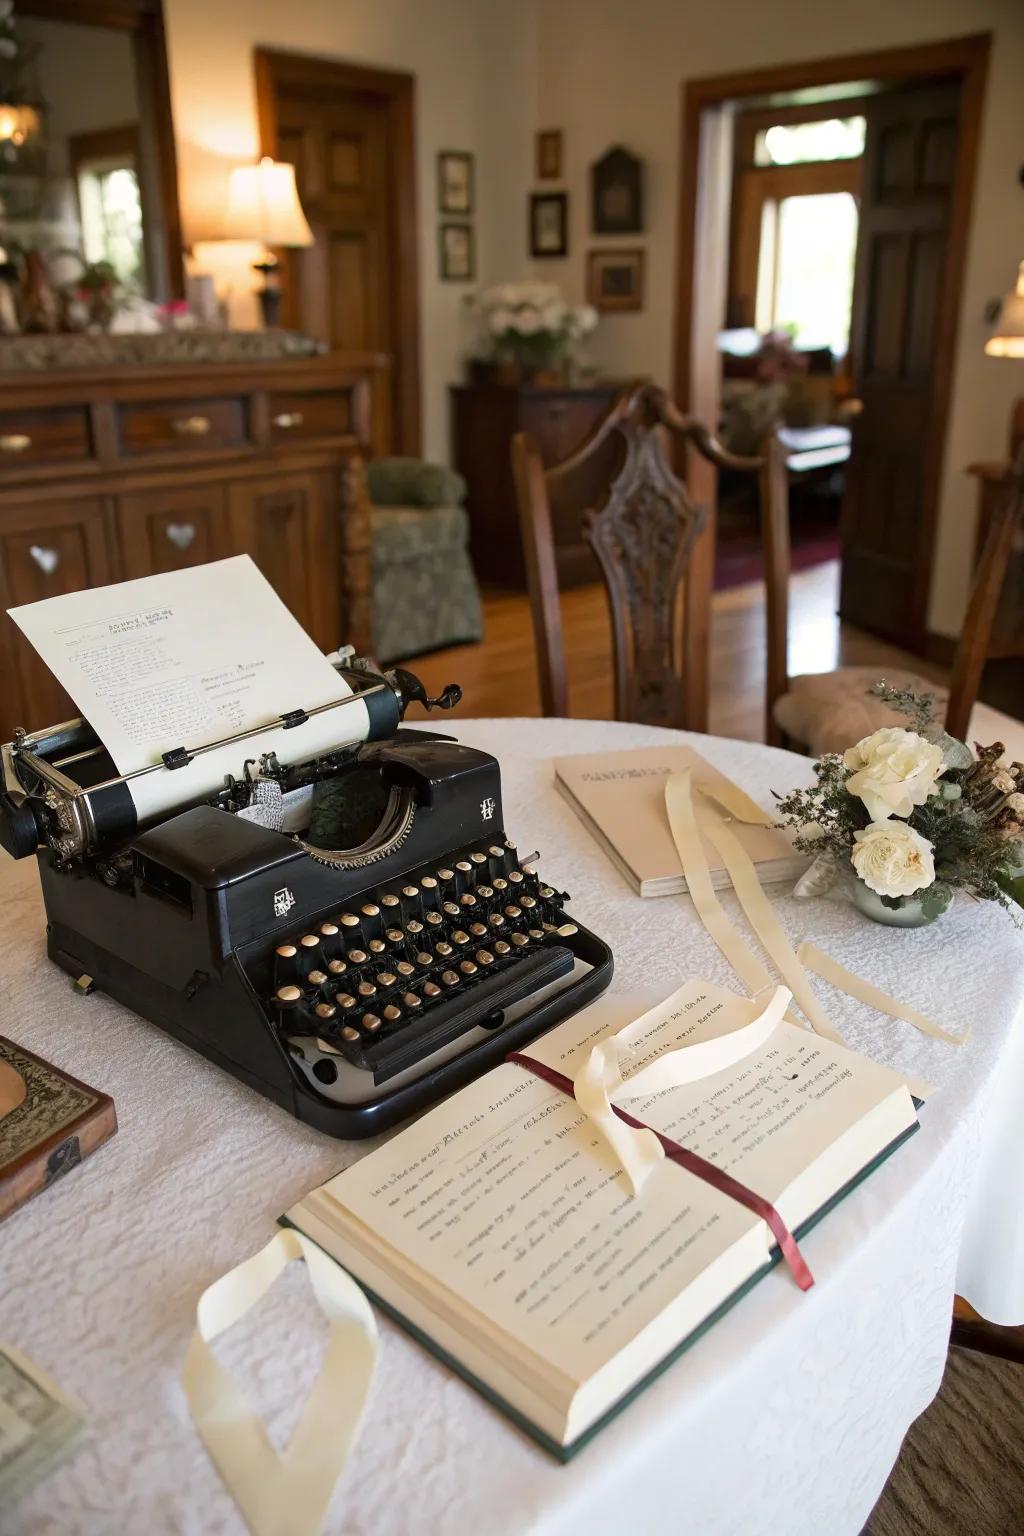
(912, 816)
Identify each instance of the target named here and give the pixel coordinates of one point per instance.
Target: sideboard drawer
(44, 436)
(310, 414)
(187, 425)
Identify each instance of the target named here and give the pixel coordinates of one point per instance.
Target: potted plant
(528, 330)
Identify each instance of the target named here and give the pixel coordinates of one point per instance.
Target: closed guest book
(502, 1230)
(620, 799)
(49, 1122)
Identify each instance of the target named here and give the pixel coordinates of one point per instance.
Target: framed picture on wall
(615, 280)
(455, 181)
(617, 194)
(549, 224)
(549, 154)
(457, 254)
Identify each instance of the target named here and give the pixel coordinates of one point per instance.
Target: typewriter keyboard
(404, 970)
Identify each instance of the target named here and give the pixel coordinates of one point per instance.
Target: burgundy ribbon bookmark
(716, 1177)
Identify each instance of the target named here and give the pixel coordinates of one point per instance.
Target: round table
(787, 1417)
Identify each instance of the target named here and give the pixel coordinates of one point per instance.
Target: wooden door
(891, 484)
(169, 529)
(57, 549)
(348, 132)
(289, 526)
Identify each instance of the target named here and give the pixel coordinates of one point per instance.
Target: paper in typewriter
(501, 1227)
(186, 658)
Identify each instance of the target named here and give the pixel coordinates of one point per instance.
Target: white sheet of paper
(186, 658)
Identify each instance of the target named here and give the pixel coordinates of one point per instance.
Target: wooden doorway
(349, 132)
(703, 257)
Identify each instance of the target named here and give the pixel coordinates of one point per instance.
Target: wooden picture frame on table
(615, 281)
(455, 178)
(549, 224)
(456, 253)
(549, 154)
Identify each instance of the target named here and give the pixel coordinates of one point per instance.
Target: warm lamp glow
(18, 123)
(263, 204)
(1007, 339)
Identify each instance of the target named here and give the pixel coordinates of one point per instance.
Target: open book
(620, 799)
(501, 1232)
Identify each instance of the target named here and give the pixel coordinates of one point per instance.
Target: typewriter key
(496, 852)
(434, 919)
(348, 920)
(350, 1034)
(496, 920)
(451, 908)
(478, 930)
(459, 937)
(413, 926)
(424, 957)
(501, 948)
(370, 1022)
(428, 883)
(344, 999)
(564, 930)
(520, 940)
(467, 968)
(450, 978)
(485, 892)
(464, 867)
(467, 899)
(366, 989)
(513, 912)
(404, 968)
(484, 957)
(388, 900)
(357, 957)
(500, 884)
(411, 1001)
(392, 1014)
(386, 979)
(431, 989)
(479, 858)
(288, 997)
(330, 938)
(337, 967)
(370, 910)
(516, 876)
(325, 1011)
(377, 946)
(444, 950)
(446, 874)
(527, 902)
(318, 979)
(394, 936)
(535, 933)
(286, 963)
(546, 892)
(286, 951)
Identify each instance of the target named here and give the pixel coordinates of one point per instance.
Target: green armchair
(425, 594)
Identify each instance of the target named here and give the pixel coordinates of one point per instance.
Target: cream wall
(473, 62)
(611, 73)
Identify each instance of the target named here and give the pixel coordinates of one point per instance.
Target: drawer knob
(181, 535)
(15, 442)
(288, 419)
(191, 426)
(47, 559)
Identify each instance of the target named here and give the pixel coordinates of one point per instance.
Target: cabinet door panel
(63, 550)
(284, 525)
(167, 530)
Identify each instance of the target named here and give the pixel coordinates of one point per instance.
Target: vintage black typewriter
(352, 935)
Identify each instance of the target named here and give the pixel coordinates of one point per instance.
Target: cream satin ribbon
(600, 1082)
(289, 1494)
(687, 823)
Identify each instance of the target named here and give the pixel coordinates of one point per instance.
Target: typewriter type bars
(406, 970)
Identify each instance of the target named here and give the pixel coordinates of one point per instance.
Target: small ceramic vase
(909, 914)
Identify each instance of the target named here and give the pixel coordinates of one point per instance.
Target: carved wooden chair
(643, 532)
(825, 712)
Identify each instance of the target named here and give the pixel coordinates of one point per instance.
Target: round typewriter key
(370, 910)
(410, 890)
(510, 844)
(520, 940)
(459, 937)
(500, 884)
(392, 1014)
(435, 919)
(411, 1000)
(501, 948)
(317, 979)
(450, 978)
(394, 936)
(328, 931)
(444, 950)
(350, 1034)
(467, 900)
(428, 883)
(446, 874)
(357, 957)
(325, 1011)
(451, 908)
(496, 852)
(348, 920)
(513, 912)
(377, 946)
(309, 941)
(478, 930)
(431, 989)
(527, 902)
(286, 951)
(546, 892)
(404, 968)
(479, 858)
(424, 957)
(496, 920)
(484, 957)
(388, 900)
(516, 876)
(535, 933)
(464, 866)
(370, 1022)
(414, 927)
(485, 892)
(344, 1000)
(288, 996)
(337, 967)
(467, 968)
(366, 989)
(386, 979)
(567, 930)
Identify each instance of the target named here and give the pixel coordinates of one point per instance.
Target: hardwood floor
(498, 677)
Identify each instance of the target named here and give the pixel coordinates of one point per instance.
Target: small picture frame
(549, 224)
(456, 253)
(549, 154)
(615, 281)
(617, 194)
(455, 181)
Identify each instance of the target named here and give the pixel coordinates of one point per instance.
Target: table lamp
(1007, 339)
(263, 204)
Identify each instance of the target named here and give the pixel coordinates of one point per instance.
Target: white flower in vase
(892, 859)
(894, 771)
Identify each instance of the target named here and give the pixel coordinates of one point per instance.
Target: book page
(186, 658)
(507, 1196)
(623, 793)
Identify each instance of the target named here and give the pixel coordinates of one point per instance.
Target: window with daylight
(805, 272)
(831, 138)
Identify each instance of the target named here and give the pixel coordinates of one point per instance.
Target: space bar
(447, 1020)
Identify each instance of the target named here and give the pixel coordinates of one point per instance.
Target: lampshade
(263, 204)
(1007, 339)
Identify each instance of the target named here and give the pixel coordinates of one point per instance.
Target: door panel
(64, 550)
(909, 164)
(167, 530)
(280, 525)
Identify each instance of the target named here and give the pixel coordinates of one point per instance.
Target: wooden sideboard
(485, 418)
(112, 473)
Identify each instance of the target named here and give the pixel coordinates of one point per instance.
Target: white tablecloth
(783, 1421)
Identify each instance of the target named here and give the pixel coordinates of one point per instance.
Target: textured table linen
(784, 1420)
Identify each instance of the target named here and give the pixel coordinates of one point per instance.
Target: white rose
(892, 859)
(526, 321)
(1003, 781)
(553, 315)
(499, 321)
(895, 770)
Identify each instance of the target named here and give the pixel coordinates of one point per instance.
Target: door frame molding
(964, 59)
(273, 68)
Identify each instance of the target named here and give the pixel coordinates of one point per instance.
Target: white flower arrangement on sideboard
(530, 324)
